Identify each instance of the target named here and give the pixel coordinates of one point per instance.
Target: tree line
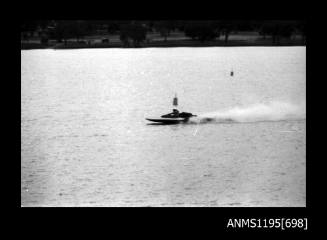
(136, 31)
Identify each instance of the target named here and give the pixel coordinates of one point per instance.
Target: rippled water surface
(85, 140)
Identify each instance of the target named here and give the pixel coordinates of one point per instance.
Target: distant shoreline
(170, 43)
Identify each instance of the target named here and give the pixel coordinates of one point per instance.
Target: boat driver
(175, 113)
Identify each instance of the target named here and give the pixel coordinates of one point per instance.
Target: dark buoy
(232, 73)
(175, 100)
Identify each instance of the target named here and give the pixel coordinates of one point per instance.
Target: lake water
(85, 140)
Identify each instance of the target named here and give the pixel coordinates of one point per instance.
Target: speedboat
(174, 117)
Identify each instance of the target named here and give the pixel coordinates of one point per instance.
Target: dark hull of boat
(167, 120)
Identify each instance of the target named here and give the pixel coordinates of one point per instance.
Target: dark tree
(301, 27)
(28, 28)
(244, 25)
(277, 29)
(63, 30)
(44, 40)
(113, 27)
(201, 30)
(133, 31)
(124, 35)
(90, 27)
(79, 29)
(162, 27)
(226, 27)
(66, 29)
(43, 24)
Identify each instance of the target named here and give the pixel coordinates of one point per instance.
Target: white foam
(273, 111)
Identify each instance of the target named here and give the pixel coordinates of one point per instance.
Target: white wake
(273, 111)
